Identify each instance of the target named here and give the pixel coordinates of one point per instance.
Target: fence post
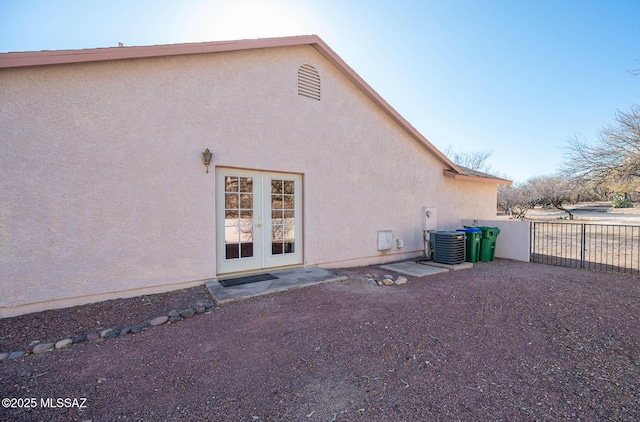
(583, 246)
(532, 235)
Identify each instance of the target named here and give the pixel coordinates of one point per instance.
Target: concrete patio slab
(452, 267)
(286, 280)
(413, 269)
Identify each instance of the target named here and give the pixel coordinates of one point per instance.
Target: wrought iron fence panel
(601, 247)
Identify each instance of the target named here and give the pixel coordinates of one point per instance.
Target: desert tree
(507, 198)
(518, 199)
(589, 191)
(475, 160)
(614, 161)
(555, 191)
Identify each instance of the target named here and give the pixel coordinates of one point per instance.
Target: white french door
(258, 219)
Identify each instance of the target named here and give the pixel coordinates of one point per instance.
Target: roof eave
(46, 57)
(493, 180)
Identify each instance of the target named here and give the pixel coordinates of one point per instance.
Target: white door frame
(265, 215)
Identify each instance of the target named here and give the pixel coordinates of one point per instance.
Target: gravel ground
(502, 341)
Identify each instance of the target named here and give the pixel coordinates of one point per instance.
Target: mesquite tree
(614, 161)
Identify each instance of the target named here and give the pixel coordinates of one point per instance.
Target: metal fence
(601, 247)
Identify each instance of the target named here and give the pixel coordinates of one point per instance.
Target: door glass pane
(231, 218)
(282, 216)
(246, 200)
(231, 184)
(276, 216)
(231, 200)
(276, 248)
(246, 184)
(247, 250)
(276, 186)
(276, 233)
(232, 251)
(288, 186)
(232, 234)
(287, 232)
(276, 202)
(238, 213)
(246, 226)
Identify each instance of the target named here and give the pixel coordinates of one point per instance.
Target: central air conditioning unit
(448, 247)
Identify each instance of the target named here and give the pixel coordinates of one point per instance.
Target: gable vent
(308, 82)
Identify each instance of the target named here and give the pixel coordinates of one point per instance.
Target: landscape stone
(388, 277)
(64, 343)
(173, 316)
(380, 283)
(42, 347)
(80, 338)
(401, 280)
(104, 333)
(187, 313)
(16, 355)
(159, 320)
(112, 334)
(387, 282)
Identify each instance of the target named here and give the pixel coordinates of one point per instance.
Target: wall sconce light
(206, 157)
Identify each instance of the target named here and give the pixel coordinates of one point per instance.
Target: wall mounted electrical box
(385, 240)
(429, 219)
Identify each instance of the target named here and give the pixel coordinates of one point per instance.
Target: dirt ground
(502, 341)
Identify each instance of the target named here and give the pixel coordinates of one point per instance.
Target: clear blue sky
(519, 77)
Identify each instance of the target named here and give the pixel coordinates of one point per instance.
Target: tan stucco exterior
(104, 194)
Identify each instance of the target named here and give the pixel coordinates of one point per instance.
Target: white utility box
(385, 240)
(429, 219)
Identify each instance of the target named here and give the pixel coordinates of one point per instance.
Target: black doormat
(245, 280)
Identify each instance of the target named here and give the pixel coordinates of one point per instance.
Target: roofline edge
(458, 176)
(52, 57)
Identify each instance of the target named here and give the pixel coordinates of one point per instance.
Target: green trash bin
(488, 242)
(474, 236)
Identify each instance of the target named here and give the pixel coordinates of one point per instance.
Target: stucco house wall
(104, 193)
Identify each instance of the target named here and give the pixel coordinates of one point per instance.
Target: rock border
(387, 280)
(37, 348)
